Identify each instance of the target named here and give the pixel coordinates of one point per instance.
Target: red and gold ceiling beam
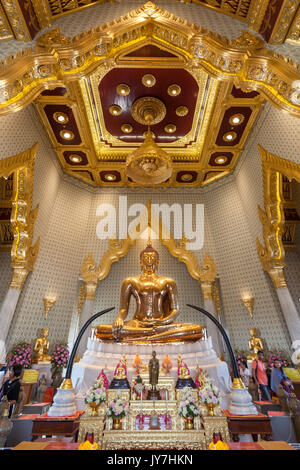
(57, 60)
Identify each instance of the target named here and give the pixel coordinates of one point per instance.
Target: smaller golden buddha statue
(41, 348)
(255, 345)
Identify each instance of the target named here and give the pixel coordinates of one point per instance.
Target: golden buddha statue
(156, 308)
(41, 348)
(255, 345)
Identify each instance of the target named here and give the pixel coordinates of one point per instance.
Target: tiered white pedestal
(105, 355)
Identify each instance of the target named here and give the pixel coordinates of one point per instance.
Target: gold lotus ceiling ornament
(149, 164)
(148, 110)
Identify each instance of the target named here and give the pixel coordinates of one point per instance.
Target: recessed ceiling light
(115, 110)
(126, 128)
(67, 135)
(236, 119)
(170, 128)
(75, 158)
(174, 90)
(110, 177)
(220, 160)
(182, 111)
(148, 80)
(229, 136)
(62, 118)
(123, 89)
(186, 177)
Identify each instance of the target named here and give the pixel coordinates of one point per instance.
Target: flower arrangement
(188, 407)
(138, 385)
(209, 393)
(95, 394)
(21, 355)
(282, 356)
(60, 357)
(117, 408)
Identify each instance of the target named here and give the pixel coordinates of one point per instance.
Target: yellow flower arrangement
(87, 445)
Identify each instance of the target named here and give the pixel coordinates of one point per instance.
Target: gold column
(272, 254)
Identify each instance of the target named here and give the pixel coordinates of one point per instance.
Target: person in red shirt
(260, 377)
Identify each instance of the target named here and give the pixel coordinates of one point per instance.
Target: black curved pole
(236, 373)
(75, 347)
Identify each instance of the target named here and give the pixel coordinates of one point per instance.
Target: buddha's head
(149, 259)
(252, 332)
(45, 332)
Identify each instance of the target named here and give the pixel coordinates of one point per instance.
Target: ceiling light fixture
(123, 89)
(174, 90)
(148, 80)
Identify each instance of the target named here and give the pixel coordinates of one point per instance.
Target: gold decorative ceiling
(276, 20)
(95, 91)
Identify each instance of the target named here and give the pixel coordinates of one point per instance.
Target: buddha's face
(45, 332)
(149, 262)
(252, 331)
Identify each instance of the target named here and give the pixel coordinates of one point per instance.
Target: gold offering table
(166, 431)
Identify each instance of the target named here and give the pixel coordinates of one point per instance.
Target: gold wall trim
(23, 217)
(57, 60)
(272, 253)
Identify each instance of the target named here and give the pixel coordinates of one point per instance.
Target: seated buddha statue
(156, 308)
(41, 348)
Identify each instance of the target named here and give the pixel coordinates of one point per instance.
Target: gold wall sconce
(248, 303)
(49, 302)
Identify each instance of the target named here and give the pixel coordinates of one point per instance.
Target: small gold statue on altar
(153, 393)
(255, 345)
(41, 348)
(183, 370)
(121, 369)
(156, 308)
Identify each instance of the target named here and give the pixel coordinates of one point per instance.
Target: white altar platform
(106, 354)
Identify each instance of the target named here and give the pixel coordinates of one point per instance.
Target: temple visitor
(245, 373)
(278, 377)
(11, 387)
(260, 376)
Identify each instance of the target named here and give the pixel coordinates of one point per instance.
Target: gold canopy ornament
(149, 164)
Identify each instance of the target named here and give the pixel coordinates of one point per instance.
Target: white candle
(141, 403)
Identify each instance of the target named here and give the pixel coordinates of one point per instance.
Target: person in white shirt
(245, 373)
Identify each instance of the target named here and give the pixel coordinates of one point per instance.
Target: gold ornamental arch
(57, 60)
(272, 253)
(92, 274)
(23, 217)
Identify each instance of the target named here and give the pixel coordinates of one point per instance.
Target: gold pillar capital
(90, 290)
(207, 289)
(278, 277)
(19, 276)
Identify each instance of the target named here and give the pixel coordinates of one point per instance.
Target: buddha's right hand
(117, 327)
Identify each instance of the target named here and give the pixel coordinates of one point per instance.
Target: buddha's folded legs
(164, 333)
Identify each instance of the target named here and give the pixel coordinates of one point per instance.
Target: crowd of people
(267, 383)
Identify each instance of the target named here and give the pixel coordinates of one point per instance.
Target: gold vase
(94, 407)
(189, 422)
(117, 423)
(210, 408)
